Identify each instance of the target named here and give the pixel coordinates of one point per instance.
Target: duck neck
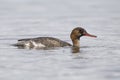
(76, 43)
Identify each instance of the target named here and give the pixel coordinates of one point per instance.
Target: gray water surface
(98, 59)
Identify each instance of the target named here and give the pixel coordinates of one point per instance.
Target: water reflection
(36, 48)
(75, 49)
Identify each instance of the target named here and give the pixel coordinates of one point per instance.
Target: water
(99, 59)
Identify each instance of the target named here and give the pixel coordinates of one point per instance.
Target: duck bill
(90, 35)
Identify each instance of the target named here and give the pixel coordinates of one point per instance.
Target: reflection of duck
(42, 42)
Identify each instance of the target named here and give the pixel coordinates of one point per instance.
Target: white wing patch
(37, 44)
(30, 44)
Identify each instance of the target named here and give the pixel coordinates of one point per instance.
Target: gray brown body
(42, 42)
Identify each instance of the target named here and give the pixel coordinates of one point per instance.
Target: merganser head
(77, 33)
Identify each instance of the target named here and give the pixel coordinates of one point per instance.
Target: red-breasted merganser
(42, 42)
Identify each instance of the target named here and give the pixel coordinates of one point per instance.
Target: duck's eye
(81, 31)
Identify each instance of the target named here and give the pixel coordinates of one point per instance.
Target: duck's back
(42, 42)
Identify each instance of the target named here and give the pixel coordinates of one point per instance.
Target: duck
(45, 42)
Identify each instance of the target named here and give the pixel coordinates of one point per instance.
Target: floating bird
(46, 42)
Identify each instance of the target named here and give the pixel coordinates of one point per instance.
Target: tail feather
(17, 44)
